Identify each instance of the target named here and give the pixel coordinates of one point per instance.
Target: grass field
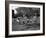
(23, 27)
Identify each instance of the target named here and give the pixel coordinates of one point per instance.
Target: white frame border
(25, 32)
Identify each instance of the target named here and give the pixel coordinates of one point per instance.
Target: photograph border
(7, 18)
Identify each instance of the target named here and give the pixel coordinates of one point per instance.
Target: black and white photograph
(25, 18)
